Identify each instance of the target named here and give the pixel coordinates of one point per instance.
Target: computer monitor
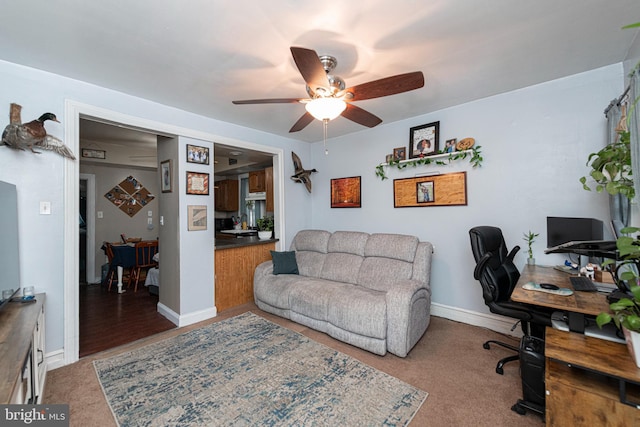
(562, 230)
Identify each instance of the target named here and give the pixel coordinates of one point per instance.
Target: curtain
(634, 128)
(619, 206)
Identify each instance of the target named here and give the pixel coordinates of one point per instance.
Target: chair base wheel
(486, 346)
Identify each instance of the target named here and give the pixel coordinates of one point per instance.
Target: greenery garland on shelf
(475, 160)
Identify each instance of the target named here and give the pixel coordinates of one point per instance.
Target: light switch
(45, 208)
(149, 221)
(161, 220)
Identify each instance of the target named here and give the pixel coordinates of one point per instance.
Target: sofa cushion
(311, 240)
(395, 246)
(359, 310)
(311, 249)
(284, 262)
(348, 242)
(310, 297)
(381, 274)
(346, 250)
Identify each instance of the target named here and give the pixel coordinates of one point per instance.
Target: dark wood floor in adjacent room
(109, 319)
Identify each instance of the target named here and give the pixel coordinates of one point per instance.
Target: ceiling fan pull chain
(325, 125)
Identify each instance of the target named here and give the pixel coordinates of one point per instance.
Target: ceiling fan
(328, 97)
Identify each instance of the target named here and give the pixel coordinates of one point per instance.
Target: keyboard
(583, 284)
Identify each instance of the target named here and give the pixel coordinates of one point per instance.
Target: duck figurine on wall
(22, 136)
(301, 174)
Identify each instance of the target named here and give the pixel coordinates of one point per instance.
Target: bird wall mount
(22, 136)
(301, 175)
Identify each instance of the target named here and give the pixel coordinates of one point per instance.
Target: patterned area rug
(247, 371)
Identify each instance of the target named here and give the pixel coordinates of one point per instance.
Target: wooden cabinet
(23, 368)
(268, 178)
(226, 195)
(234, 268)
(583, 378)
(257, 182)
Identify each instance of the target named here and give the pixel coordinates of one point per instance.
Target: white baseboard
(494, 322)
(188, 319)
(55, 360)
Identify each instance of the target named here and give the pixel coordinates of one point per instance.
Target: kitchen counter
(241, 242)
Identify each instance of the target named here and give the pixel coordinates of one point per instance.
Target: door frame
(73, 112)
(91, 227)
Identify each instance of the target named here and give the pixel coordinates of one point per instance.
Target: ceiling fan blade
(310, 67)
(268, 101)
(384, 87)
(360, 116)
(302, 123)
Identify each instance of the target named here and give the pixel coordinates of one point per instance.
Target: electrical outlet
(150, 213)
(100, 215)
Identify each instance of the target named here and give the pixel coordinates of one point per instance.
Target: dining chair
(112, 274)
(145, 251)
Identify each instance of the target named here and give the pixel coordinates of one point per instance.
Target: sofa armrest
(408, 314)
(263, 269)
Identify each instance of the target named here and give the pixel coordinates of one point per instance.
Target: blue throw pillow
(284, 262)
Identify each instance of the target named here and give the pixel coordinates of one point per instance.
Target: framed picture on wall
(196, 154)
(423, 140)
(196, 217)
(424, 192)
(165, 176)
(198, 183)
(345, 192)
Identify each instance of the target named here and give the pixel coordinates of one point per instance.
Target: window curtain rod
(617, 102)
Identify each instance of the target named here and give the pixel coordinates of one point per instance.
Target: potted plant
(265, 227)
(625, 313)
(611, 168)
(530, 238)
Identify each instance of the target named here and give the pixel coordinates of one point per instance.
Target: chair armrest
(477, 272)
(513, 253)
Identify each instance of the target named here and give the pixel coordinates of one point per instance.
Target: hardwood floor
(109, 319)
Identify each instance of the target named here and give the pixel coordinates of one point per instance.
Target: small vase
(264, 235)
(633, 344)
(531, 261)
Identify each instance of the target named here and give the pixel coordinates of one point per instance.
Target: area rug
(248, 371)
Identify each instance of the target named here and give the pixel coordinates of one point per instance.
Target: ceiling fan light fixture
(326, 108)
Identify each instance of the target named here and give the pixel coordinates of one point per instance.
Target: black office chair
(498, 276)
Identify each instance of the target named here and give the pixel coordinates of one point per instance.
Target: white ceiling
(199, 55)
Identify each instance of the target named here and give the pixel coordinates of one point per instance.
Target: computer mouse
(549, 286)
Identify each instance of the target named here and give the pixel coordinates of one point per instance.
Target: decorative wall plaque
(129, 196)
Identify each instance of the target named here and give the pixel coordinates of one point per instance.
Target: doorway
(74, 113)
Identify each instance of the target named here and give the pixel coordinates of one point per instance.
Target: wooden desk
(589, 382)
(576, 306)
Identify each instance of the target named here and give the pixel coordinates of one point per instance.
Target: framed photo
(345, 192)
(198, 183)
(450, 145)
(423, 140)
(166, 176)
(400, 153)
(196, 217)
(196, 154)
(424, 192)
(388, 158)
(94, 154)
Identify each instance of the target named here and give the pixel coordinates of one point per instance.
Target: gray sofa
(369, 290)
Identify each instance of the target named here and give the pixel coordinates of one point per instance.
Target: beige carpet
(448, 362)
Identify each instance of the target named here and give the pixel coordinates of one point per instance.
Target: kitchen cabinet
(23, 368)
(226, 195)
(234, 268)
(257, 181)
(268, 178)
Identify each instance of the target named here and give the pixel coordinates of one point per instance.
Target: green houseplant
(265, 227)
(625, 313)
(611, 168)
(530, 238)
